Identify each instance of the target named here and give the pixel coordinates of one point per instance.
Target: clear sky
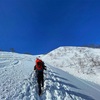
(39, 26)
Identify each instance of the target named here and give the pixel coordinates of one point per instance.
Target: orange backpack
(39, 66)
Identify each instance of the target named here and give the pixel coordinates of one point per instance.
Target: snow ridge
(82, 62)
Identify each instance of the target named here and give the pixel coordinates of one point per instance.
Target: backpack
(39, 65)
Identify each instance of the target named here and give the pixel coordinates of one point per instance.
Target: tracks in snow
(54, 88)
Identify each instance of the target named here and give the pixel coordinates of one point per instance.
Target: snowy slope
(18, 81)
(82, 62)
(14, 68)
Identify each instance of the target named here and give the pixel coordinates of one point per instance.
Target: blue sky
(39, 26)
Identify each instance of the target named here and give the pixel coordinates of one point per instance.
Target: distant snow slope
(18, 81)
(82, 62)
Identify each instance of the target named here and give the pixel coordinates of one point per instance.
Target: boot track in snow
(54, 88)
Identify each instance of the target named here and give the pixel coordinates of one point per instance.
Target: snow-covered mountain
(18, 80)
(82, 62)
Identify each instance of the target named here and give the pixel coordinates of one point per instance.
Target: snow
(14, 68)
(18, 81)
(82, 62)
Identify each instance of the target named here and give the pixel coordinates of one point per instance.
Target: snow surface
(18, 81)
(82, 62)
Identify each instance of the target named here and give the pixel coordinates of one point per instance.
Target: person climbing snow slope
(39, 68)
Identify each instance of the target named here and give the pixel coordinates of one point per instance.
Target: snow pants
(40, 80)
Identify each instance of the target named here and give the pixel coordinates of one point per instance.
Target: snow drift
(82, 62)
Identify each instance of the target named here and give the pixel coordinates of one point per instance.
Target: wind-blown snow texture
(18, 81)
(82, 62)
